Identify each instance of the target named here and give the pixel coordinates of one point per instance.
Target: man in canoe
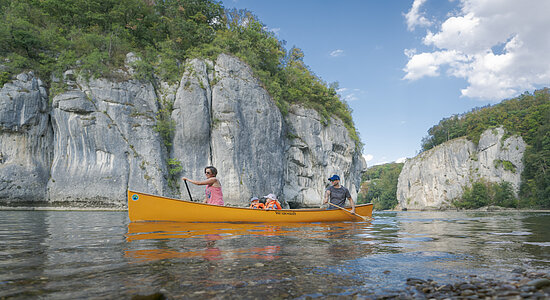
(213, 191)
(337, 194)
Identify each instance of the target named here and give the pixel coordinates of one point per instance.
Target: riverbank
(61, 208)
(481, 209)
(525, 285)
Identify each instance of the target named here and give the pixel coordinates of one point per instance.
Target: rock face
(100, 137)
(26, 140)
(314, 153)
(105, 142)
(436, 177)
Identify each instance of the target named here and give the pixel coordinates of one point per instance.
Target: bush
(380, 186)
(528, 116)
(483, 193)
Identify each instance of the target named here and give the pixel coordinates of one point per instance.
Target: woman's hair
(212, 169)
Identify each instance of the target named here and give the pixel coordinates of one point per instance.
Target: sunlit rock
(436, 177)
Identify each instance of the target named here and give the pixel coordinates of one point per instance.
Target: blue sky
(404, 65)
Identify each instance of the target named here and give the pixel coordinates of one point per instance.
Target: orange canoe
(146, 207)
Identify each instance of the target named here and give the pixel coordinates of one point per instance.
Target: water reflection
(499, 238)
(71, 255)
(217, 241)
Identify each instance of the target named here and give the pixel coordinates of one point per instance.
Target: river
(101, 255)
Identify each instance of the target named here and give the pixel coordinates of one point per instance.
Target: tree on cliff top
(94, 36)
(528, 116)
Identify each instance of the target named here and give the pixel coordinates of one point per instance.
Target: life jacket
(273, 205)
(257, 205)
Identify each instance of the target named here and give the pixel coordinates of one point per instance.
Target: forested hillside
(527, 115)
(94, 36)
(380, 186)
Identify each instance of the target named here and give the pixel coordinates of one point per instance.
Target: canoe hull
(147, 207)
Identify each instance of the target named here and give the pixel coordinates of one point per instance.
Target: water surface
(84, 254)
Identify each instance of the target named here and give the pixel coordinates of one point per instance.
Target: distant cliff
(439, 175)
(100, 137)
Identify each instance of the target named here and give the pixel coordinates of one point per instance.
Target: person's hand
(184, 178)
(353, 210)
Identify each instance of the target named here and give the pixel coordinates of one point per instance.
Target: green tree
(483, 193)
(379, 186)
(528, 116)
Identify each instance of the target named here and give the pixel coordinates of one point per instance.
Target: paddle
(188, 190)
(349, 212)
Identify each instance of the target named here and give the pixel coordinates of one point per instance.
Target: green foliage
(174, 169)
(483, 193)
(174, 166)
(380, 186)
(165, 125)
(94, 36)
(527, 116)
(505, 164)
(4, 78)
(535, 185)
(283, 73)
(521, 115)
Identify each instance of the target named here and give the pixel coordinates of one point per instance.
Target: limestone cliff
(26, 140)
(437, 176)
(100, 137)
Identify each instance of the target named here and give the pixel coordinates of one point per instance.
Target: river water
(101, 255)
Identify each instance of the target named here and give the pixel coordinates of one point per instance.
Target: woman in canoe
(213, 191)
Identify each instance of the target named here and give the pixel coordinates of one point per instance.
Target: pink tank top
(214, 195)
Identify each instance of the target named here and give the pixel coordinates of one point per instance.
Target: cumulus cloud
(337, 52)
(499, 46)
(368, 157)
(414, 17)
(401, 160)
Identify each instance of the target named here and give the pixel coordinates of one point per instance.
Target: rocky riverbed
(524, 285)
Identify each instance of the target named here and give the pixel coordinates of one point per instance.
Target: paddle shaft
(349, 212)
(188, 190)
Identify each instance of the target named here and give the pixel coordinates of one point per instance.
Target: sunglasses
(208, 173)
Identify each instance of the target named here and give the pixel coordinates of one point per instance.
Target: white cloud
(401, 160)
(350, 95)
(499, 46)
(414, 17)
(428, 64)
(337, 52)
(380, 163)
(368, 157)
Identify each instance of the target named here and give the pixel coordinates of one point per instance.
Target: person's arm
(352, 204)
(208, 181)
(348, 194)
(327, 195)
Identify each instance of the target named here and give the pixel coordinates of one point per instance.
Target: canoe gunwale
(236, 207)
(144, 207)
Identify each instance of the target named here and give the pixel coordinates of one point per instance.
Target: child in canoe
(271, 202)
(256, 204)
